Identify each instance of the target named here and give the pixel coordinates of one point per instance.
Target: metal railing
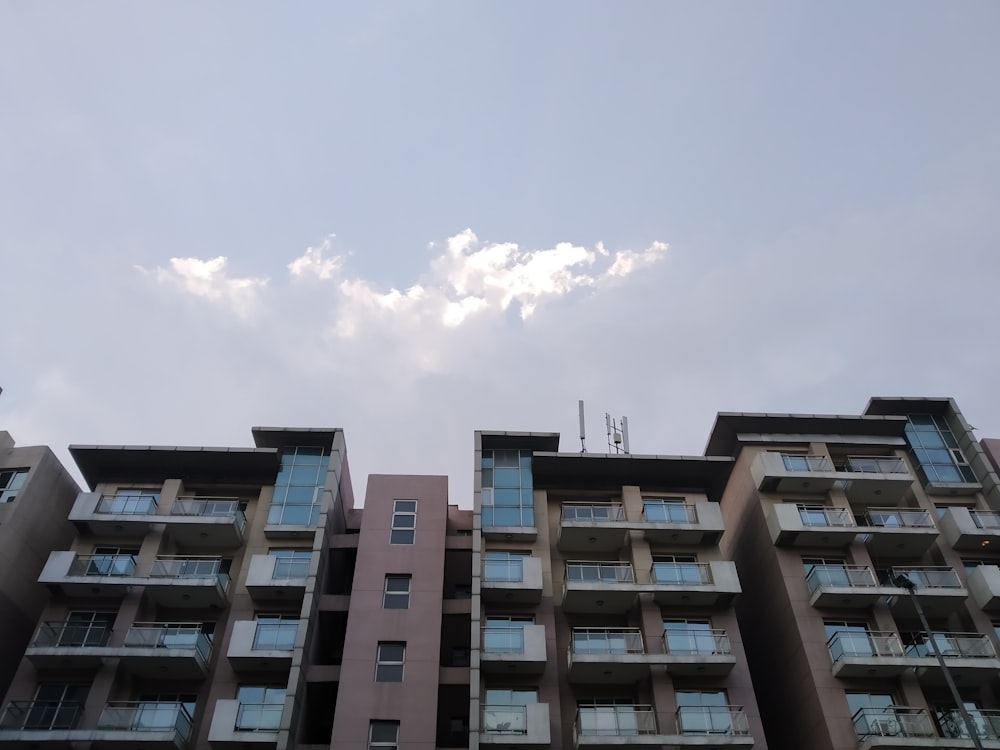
(43, 716)
(611, 641)
(592, 572)
(211, 507)
(893, 721)
(70, 633)
(505, 719)
(275, 636)
(126, 505)
(615, 720)
(171, 566)
(498, 639)
(293, 515)
(510, 570)
(712, 720)
(899, 518)
(985, 519)
(173, 635)
(940, 577)
(681, 573)
(694, 642)
(146, 716)
(800, 462)
(601, 512)
(665, 512)
(839, 576)
(823, 515)
(853, 643)
(987, 723)
(876, 465)
(102, 565)
(259, 717)
(954, 645)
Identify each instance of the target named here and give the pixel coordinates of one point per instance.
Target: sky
(415, 220)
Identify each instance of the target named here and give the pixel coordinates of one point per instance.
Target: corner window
(404, 522)
(298, 487)
(508, 498)
(11, 480)
(389, 661)
(397, 592)
(383, 735)
(935, 450)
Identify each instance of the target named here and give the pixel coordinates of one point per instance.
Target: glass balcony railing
(259, 717)
(103, 565)
(275, 636)
(712, 720)
(853, 643)
(839, 576)
(503, 640)
(615, 720)
(510, 570)
(669, 512)
(42, 716)
(899, 518)
(211, 507)
(953, 645)
(609, 641)
(824, 516)
(505, 719)
(893, 721)
(800, 462)
(188, 567)
(127, 505)
(69, 634)
(695, 642)
(927, 577)
(876, 465)
(681, 573)
(293, 515)
(146, 716)
(588, 572)
(291, 567)
(985, 519)
(604, 512)
(987, 723)
(169, 635)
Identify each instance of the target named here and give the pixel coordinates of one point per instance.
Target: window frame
(14, 483)
(380, 743)
(397, 595)
(399, 530)
(385, 668)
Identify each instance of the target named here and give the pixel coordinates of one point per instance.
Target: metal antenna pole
(905, 583)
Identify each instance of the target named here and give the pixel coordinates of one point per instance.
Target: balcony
(592, 527)
(695, 524)
(609, 656)
(984, 584)
(168, 581)
(868, 654)
(939, 588)
(800, 525)
(875, 479)
(236, 726)
(69, 645)
(516, 726)
(793, 473)
(970, 657)
(115, 515)
(262, 645)
(292, 521)
(593, 587)
(693, 584)
(143, 724)
(895, 726)
(271, 578)
(691, 652)
(849, 586)
(970, 530)
(153, 649)
(899, 532)
(516, 580)
(604, 727)
(216, 522)
(987, 724)
(41, 723)
(513, 649)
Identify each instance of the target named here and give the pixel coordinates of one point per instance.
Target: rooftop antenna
(617, 434)
(583, 432)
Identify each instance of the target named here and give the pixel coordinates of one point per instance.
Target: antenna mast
(617, 434)
(583, 432)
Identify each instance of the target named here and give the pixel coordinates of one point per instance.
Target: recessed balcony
(609, 656)
(115, 515)
(793, 473)
(875, 479)
(51, 724)
(516, 726)
(69, 644)
(939, 588)
(802, 525)
(592, 527)
(868, 654)
(272, 578)
(899, 532)
(694, 584)
(515, 580)
(692, 652)
(969, 530)
(970, 657)
(847, 586)
(605, 727)
(154, 725)
(515, 649)
(984, 584)
(236, 725)
(216, 522)
(897, 727)
(155, 649)
(669, 522)
(596, 587)
(265, 644)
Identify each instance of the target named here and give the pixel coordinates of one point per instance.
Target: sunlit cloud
(208, 279)
(313, 262)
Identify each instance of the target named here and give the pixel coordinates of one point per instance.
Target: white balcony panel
(244, 657)
(514, 650)
(223, 733)
(702, 525)
(785, 473)
(984, 583)
(794, 525)
(969, 530)
(717, 589)
(513, 586)
(265, 580)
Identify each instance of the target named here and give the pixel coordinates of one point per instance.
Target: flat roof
(535, 441)
(280, 437)
(152, 463)
(910, 405)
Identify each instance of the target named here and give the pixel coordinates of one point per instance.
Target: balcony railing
(126, 505)
(985, 519)
(712, 720)
(660, 512)
(503, 640)
(293, 515)
(146, 716)
(954, 645)
(510, 570)
(615, 720)
(927, 577)
(211, 507)
(103, 565)
(259, 717)
(188, 567)
(987, 723)
(692, 642)
(893, 721)
(588, 572)
(681, 573)
(876, 465)
(799, 462)
(44, 716)
(290, 567)
(899, 518)
(69, 633)
(179, 635)
(852, 643)
(505, 719)
(610, 641)
(840, 576)
(822, 516)
(275, 636)
(601, 512)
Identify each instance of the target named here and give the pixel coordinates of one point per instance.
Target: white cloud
(312, 262)
(628, 261)
(208, 279)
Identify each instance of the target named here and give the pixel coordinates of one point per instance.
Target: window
(847, 638)
(290, 563)
(505, 710)
(260, 708)
(404, 522)
(935, 450)
(874, 713)
(86, 629)
(159, 711)
(57, 705)
(508, 497)
(275, 633)
(11, 480)
(617, 717)
(130, 502)
(505, 634)
(504, 566)
(298, 486)
(668, 510)
(112, 561)
(397, 592)
(693, 637)
(680, 570)
(389, 661)
(705, 712)
(383, 734)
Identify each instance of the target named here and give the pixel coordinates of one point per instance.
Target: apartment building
(602, 601)
(849, 528)
(36, 493)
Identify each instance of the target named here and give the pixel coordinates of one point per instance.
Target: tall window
(298, 486)
(11, 480)
(935, 450)
(86, 629)
(383, 735)
(397, 592)
(57, 705)
(507, 488)
(389, 661)
(404, 522)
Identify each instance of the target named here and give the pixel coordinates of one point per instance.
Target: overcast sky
(413, 220)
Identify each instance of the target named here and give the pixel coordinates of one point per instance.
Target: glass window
(679, 569)
(290, 563)
(507, 497)
(389, 661)
(297, 488)
(504, 566)
(704, 712)
(935, 450)
(404, 522)
(87, 629)
(689, 637)
(275, 632)
(260, 708)
(397, 592)
(667, 510)
(57, 705)
(11, 480)
(383, 734)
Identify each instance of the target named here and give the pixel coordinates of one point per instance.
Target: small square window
(383, 734)
(11, 480)
(389, 661)
(397, 592)
(404, 522)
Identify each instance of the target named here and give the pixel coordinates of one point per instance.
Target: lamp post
(905, 583)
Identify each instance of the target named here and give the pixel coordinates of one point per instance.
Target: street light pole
(905, 583)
